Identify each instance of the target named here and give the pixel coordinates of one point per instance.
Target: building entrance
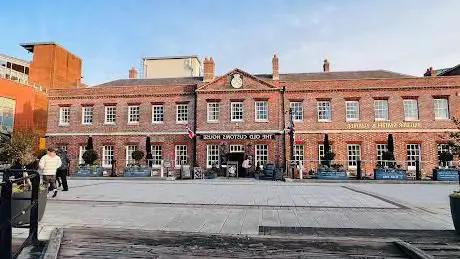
(240, 158)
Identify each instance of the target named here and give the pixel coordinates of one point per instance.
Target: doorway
(240, 158)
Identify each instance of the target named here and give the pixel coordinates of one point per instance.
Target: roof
(14, 60)
(154, 82)
(446, 71)
(369, 74)
(170, 57)
(30, 46)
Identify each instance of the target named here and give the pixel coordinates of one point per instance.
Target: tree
(19, 147)
(328, 154)
(148, 151)
(454, 139)
(90, 156)
(391, 146)
(388, 156)
(137, 155)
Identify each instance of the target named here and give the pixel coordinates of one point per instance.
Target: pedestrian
(49, 164)
(246, 166)
(61, 174)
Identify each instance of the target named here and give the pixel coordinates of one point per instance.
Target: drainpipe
(283, 125)
(195, 101)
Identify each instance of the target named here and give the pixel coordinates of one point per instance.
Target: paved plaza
(241, 206)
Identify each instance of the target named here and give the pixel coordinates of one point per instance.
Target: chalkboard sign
(198, 173)
(166, 163)
(232, 169)
(185, 172)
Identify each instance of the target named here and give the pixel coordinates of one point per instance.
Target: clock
(236, 81)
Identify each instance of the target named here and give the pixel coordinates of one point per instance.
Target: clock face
(237, 81)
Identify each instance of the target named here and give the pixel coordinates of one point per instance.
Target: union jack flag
(191, 134)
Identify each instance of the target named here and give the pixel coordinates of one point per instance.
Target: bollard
(418, 174)
(5, 217)
(33, 231)
(358, 170)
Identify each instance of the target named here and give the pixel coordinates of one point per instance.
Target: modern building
(241, 114)
(24, 85)
(171, 67)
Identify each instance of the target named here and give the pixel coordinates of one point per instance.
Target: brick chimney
(133, 73)
(326, 66)
(209, 70)
(275, 68)
(432, 71)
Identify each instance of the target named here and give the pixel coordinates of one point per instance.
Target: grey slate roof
(154, 82)
(447, 71)
(374, 74)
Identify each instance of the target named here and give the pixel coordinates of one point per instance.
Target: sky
(111, 36)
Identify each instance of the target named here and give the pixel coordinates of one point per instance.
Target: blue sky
(111, 35)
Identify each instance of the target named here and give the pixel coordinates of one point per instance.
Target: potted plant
(19, 150)
(212, 174)
(455, 209)
(90, 167)
(136, 170)
(445, 172)
(388, 169)
(327, 170)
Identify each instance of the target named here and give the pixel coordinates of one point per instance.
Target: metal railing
(6, 217)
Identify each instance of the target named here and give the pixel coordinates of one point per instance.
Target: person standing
(61, 173)
(246, 167)
(49, 164)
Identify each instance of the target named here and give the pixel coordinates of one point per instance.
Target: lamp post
(222, 156)
(291, 141)
(249, 157)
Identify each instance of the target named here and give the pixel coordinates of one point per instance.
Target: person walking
(61, 174)
(246, 165)
(49, 164)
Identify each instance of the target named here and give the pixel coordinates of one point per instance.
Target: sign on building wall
(384, 125)
(7, 108)
(238, 136)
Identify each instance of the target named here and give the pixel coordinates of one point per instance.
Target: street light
(291, 141)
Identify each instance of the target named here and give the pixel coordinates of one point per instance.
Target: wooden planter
(90, 171)
(455, 212)
(18, 205)
(332, 175)
(445, 174)
(137, 172)
(389, 174)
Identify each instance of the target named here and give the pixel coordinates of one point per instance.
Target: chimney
(209, 70)
(432, 71)
(275, 68)
(133, 73)
(326, 66)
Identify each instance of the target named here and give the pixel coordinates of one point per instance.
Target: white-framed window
(82, 150)
(134, 114)
(236, 148)
(297, 111)
(129, 154)
(157, 155)
(381, 148)
(413, 154)
(212, 155)
(299, 154)
(107, 156)
(237, 111)
(352, 110)
(381, 110)
(324, 111)
(354, 154)
(182, 113)
(321, 151)
(157, 113)
(180, 153)
(441, 109)
(87, 115)
(261, 152)
(410, 109)
(261, 110)
(64, 116)
(110, 114)
(441, 149)
(213, 112)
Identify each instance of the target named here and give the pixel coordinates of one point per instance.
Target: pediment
(237, 80)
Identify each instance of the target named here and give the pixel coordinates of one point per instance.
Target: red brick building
(240, 114)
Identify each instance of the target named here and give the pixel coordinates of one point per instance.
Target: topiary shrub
(90, 156)
(137, 155)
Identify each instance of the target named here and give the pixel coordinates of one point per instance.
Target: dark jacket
(64, 159)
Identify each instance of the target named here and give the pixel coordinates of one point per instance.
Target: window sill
(301, 121)
(324, 120)
(64, 125)
(442, 119)
(237, 121)
(262, 121)
(381, 120)
(87, 124)
(133, 123)
(157, 122)
(181, 122)
(411, 120)
(110, 123)
(352, 120)
(212, 122)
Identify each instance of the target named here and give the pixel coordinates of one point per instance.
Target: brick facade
(366, 132)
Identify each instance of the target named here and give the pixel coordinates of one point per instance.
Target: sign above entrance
(238, 136)
(383, 125)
